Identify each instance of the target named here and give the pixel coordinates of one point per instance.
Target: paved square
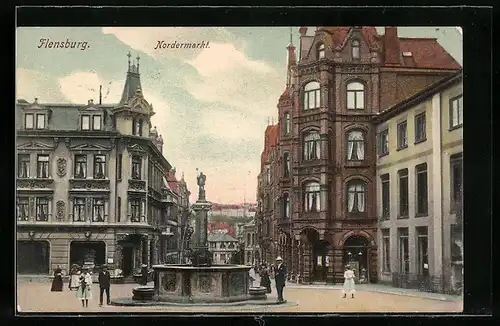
(36, 297)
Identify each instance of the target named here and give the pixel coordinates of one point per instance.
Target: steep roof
(221, 237)
(425, 52)
(172, 182)
(271, 140)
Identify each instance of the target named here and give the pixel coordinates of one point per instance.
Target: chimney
(391, 45)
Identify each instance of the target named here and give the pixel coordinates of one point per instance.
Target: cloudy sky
(212, 105)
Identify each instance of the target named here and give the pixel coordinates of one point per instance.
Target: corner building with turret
(316, 190)
(93, 186)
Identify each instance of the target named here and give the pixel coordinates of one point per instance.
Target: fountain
(200, 282)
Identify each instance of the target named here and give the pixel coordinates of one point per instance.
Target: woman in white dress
(84, 291)
(348, 282)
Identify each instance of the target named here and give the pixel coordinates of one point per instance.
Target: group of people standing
(279, 272)
(80, 280)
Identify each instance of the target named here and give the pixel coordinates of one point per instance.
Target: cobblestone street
(36, 297)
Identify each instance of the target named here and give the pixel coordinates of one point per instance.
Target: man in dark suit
(280, 277)
(104, 283)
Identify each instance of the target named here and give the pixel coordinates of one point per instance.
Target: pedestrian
(251, 275)
(265, 281)
(84, 291)
(280, 278)
(348, 282)
(104, 283)
(57, 282)
(74, 277)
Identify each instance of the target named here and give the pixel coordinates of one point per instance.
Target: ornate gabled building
(317, 184)
(91, 184)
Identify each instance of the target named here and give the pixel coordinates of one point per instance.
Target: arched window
(311, 96)
(356, 196)
(248, 238)
(231, 245)
(311, 197)
(286, 206)
(222, 245)
(321, 51)
(355, 96)
(286, 127)
(253, 239)
(312, 149)
(286, 165)
(355, 49)
(355, 146)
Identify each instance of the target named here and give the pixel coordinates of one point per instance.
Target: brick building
(317, 203)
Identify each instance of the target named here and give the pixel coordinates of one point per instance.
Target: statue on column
(201, 185)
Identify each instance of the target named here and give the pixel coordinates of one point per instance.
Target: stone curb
(128, 302)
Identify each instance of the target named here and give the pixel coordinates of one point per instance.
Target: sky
(212, 104)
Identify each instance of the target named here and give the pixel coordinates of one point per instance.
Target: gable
(136, 148)
(34, 145)
(90, 147)
(140, 105)
(90, 109)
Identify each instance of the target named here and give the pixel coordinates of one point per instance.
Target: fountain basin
(201, 284)
(143, 293)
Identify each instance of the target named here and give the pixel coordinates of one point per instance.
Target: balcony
(89, 184)
(137, 185)
(43, 184)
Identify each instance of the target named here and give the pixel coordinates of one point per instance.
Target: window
(42, 166)
(404, 256)
(253, 239)
(355, 49)
(311, 197)
(312, 149)
(80, 166)
(402, 135)
(422, 190)
(222, 246)
(231, 245)
(40, 121)
(134, 124)
(42, 209)
(23, 209)
(28, 121)
(403, 193)
(386, 196)
(248, 238)
(386, 251)
(23, 165)
(456, 170)
(422, 252)
(286, 206)
(355, 146)
(98, 210)
(383, 142)
(355, 96)
(268, 176)
(119, 167)
(119, 208)
(139, 127)
(99, 166)
(286, 165)
(356, 193)
(456, 112)
(85, 122)
(312, 96)
(321, 51)
(287, 124)
(96, 122)
(420, 131)
(136, 167)
(79, 210)
(135, 206)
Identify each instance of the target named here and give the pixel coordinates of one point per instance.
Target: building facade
(251, 245)
(91, 184)
(222, 246)
(318, 178)
(419, 187)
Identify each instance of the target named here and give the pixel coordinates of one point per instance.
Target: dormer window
(355, 49)
(321, 51)
(85, 122)
(96, 122)
(28, 121)
(40, 121)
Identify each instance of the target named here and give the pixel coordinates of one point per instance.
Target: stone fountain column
(201, 255)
